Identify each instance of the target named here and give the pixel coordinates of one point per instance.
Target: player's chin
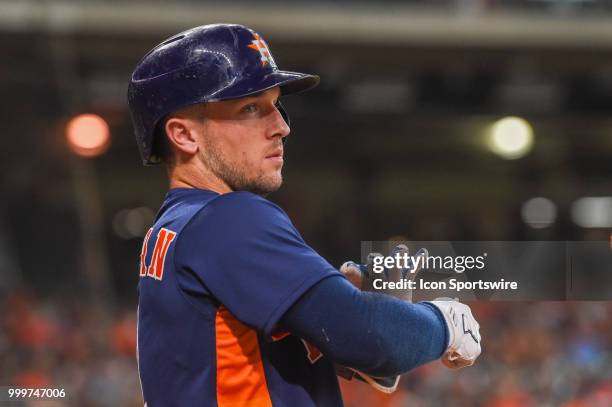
(275, 181)
(268, 182)
(271, 170)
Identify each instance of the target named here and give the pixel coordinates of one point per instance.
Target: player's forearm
(374, 333)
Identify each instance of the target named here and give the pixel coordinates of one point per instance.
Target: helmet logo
(260, 45)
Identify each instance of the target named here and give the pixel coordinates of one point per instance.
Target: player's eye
(250, 108)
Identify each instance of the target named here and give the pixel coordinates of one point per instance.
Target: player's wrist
(448, 330)
(449, 312)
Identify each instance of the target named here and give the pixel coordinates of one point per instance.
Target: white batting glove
(464, 334)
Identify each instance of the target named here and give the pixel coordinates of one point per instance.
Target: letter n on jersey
(162, 242)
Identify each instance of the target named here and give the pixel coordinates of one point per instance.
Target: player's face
(242, 142)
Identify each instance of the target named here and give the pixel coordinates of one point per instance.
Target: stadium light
(88, 135)
(510, 137)
(593, 212)
(133, 223)
(539, 212)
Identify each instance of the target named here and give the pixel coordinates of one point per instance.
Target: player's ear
(181, 133)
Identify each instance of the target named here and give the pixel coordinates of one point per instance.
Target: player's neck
(182, 176)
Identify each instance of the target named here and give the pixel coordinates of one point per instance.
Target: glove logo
(260, 46)
(468, 331)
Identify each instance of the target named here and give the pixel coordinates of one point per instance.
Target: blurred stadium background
(405, 136)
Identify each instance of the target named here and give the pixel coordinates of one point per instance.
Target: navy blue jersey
(217, 273)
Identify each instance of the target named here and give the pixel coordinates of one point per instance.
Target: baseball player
(235, 309)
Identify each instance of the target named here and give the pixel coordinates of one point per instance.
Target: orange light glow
(88, 135)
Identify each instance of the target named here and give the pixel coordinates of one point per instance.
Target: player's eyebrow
(257, 94)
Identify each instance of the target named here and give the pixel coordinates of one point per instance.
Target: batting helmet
(209, 63)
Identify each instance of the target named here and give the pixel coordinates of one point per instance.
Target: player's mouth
(276, 155)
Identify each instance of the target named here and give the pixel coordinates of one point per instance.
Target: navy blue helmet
(209, 63)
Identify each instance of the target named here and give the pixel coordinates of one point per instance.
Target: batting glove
(464, 345)
(383, 384)
(362, 275)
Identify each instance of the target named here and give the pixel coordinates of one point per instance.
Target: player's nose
(278, 125)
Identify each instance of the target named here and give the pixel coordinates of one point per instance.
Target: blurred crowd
(86, 349)
(534, 354)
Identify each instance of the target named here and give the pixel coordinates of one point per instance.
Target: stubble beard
(236, 178)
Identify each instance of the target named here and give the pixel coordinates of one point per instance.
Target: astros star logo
(260, 46)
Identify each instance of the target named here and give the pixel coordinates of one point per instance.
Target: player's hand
(355, 273)
(464, 334)
(363, 275)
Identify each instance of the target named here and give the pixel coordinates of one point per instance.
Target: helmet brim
(288, 82)
(295, 82)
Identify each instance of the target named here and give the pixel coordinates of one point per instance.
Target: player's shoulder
(237, 213)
